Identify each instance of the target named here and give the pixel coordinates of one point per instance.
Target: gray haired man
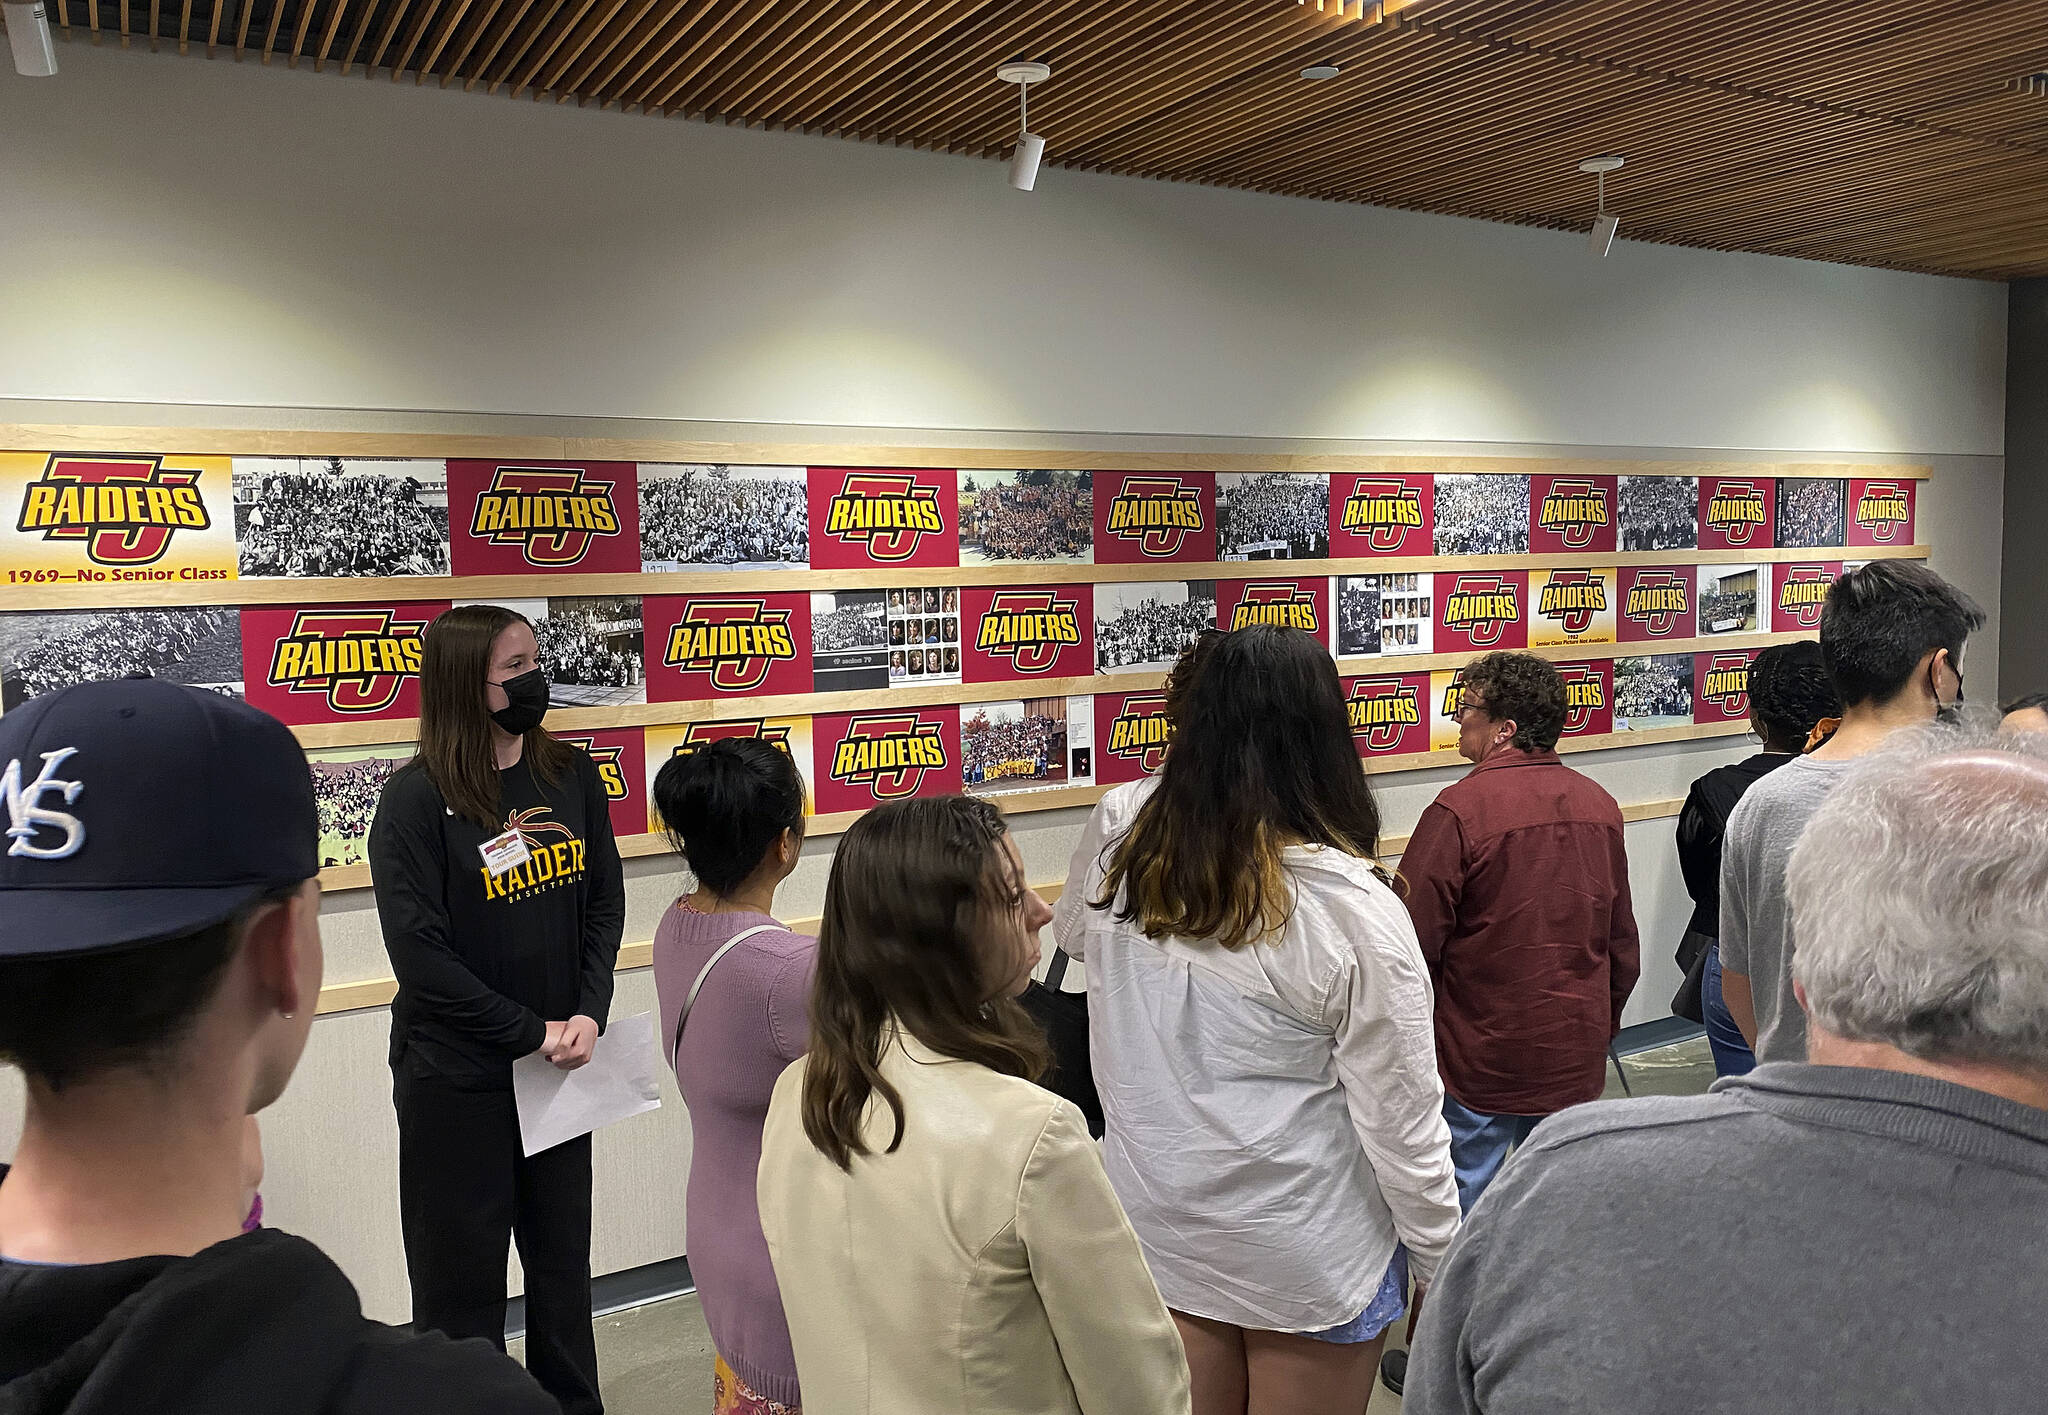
(1865, 1230)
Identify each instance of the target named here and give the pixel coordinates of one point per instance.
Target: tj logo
(25, 817)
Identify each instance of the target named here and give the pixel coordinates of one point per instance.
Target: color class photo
(1041, 516)
(1017, 746)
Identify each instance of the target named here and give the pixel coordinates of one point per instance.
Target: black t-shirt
(263, 1324)
(485, 961)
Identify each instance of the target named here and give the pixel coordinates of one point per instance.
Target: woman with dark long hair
(734, 987)
(941, 1229)
(500, 893)
(1259, 1022)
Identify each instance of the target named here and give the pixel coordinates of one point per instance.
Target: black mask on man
(526, 699)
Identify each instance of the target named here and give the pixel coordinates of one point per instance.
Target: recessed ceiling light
(1321, 71)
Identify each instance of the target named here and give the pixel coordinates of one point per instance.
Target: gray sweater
(1811, 1240)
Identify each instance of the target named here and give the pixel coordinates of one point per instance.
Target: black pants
(464, 1188)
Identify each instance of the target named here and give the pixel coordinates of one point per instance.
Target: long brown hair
(915, 888)
(1262, 758)
(456, 750)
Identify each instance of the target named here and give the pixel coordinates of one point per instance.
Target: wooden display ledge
(378, 992)
(136, 594)
(393, 730)
(257, 442)
(1017, 803)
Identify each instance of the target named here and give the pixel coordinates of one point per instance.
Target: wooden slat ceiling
(1911, 134)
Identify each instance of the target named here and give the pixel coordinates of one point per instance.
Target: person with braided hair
(1792, 706)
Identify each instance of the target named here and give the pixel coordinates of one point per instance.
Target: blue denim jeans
(1480, 1145)
(1732, 1056)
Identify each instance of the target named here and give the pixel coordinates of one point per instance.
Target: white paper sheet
(617, 1083)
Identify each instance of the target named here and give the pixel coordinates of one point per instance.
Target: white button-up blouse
(1275, 1116)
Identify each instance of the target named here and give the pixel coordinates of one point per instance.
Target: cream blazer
(984, 1268)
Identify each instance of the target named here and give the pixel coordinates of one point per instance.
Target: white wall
(183, 233)
(212, 232)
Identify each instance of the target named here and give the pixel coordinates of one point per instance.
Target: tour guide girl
(501, 897)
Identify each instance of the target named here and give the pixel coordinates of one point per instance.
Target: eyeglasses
(1467, 707)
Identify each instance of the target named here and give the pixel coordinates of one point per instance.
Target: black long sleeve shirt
(484, 962)
(1700, 828)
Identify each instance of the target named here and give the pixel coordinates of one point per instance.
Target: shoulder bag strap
(1056, 970)
(690, 998)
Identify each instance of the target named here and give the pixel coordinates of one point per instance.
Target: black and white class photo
(1141, 625)
(592, 648)
(1383, 614)
(1812, 512)
(1660, 513)
(1652, 690)
(704, 516)
(340, 517)
(924, 634)
(1272, 516)
(1481, 514)
(850, 640)
(1038, 514)
(44, 651)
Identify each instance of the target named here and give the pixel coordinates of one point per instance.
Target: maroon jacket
(1518, 885)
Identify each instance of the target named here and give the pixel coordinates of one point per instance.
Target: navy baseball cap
(137, 809)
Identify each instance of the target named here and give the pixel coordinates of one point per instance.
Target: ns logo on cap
(551, 514)
(27, 815)
(125, 510)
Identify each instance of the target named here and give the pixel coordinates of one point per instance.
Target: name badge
(505, 852)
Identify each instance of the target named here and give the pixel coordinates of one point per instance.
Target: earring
(289, 1016)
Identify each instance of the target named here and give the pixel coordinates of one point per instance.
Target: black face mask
(526, 699)
(1950, 713)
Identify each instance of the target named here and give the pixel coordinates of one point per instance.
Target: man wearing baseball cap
(159, 969)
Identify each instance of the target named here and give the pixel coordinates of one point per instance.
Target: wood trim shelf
(139, 594)
(336, 878)
(252, 442)
(597, 719)
(378, 992)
